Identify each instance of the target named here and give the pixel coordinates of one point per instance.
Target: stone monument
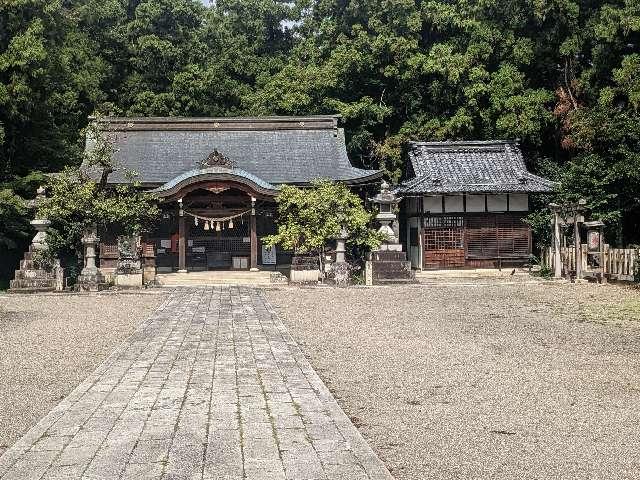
(388, 264)
(32, 276)
(129, 271)
(90, 278)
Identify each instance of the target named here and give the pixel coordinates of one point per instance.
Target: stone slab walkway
(212, 386)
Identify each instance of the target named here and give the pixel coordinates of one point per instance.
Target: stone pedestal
(32, 278)
(388, 267)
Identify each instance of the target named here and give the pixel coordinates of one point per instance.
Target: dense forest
(561, 75)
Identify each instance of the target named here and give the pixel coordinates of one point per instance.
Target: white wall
(433, 203)
(497, 203)
(475, 203)
(518, 202)
(453, 203)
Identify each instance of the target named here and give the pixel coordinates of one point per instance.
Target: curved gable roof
(277, 150)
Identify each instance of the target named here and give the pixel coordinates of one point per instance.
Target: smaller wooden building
(464, 204)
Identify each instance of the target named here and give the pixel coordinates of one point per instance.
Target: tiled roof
(277, 150)
(470, 166)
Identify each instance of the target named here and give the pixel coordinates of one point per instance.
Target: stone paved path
(212, 386)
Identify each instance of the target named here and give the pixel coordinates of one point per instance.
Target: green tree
(76, 201)
(14, 225)
(48, 77)
(310, 218)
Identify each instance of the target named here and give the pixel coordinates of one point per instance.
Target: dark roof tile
(276, 149)
(470, 166)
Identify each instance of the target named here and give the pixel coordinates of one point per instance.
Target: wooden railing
(618, 263)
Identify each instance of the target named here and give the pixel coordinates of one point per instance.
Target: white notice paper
(165, 243)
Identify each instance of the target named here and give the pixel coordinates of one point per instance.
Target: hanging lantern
(217, 226)
(195, 221)
(231, 223)
(206, 225)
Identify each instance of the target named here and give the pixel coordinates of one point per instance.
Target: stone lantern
(341, 268)
(387, 202)
(388, 264)
(41, 225)
(32, 275)
(90, 277)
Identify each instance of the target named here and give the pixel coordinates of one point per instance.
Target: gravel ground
(50, 343)
(479, 382)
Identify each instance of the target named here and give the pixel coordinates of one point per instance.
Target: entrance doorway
(444, 242)
(219, 228)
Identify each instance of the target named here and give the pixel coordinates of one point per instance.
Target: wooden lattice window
(444, 221)
(497, 236)
(443, 239)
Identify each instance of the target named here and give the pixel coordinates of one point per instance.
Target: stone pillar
(90, 241)
(577, 220)
(182, 240)
(253, 237)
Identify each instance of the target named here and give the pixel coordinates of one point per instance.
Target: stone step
(28, 264)
(214, 278)
(32, 284)
(230, 281)
(32, 274)
(31, 290)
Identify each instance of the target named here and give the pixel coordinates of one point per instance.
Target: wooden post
(557, 255)
(577, 244)
(557, 260)
(254, 237)
(182, 241)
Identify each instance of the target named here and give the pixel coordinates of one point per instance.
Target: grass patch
(624, 310)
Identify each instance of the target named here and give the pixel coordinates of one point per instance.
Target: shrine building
(216, 180)
(464, 204)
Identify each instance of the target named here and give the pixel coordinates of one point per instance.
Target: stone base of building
(385, 267)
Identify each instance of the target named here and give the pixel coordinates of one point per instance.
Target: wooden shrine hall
(216, 180)
(464, 204)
